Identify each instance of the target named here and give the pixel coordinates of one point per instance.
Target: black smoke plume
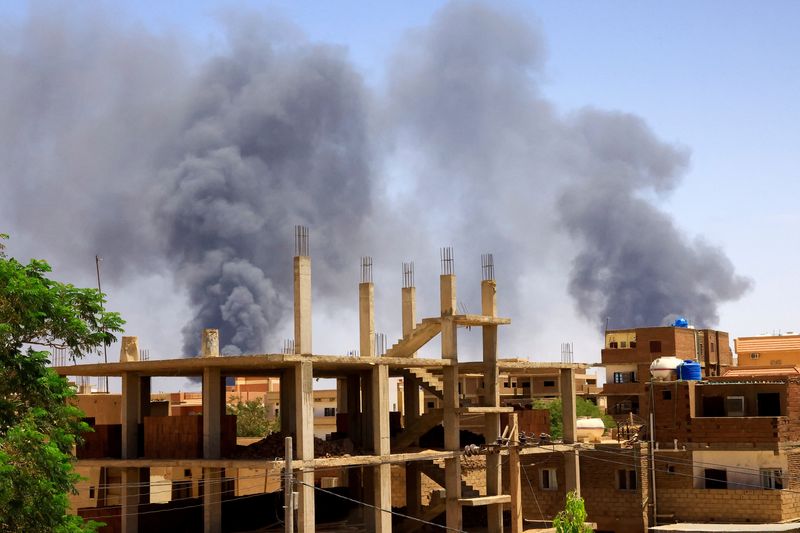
(128, 143)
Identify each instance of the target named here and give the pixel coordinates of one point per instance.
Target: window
(772, 478)
(632, 377)
(755, 355)
(187, 472)
(613, 344)
(768, 403)
(666, 394)
(431, 405)
(626, 479)
(329, 411)
(623, 344)
(624, 377)
(655, 346)
(716, 479)
(670, 469)
(547, 479)
(618, 377)
(91, 493)
(734, 406)
(633, 344)
(549, 383)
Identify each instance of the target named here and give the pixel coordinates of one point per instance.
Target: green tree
(252, 419)
(573, 518)
(583, 407)
(38, 427)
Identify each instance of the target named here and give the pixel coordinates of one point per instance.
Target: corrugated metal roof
(767, 344)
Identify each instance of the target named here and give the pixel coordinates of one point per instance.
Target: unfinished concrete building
(202, 444)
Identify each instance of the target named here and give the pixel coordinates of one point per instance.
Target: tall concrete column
(213, 400)
(451, 400)
(304, 444)
(131, 403)
(494, 481)
(411, 403)
(382, 474)
(366, 319)
(568, 413)
(302, 305)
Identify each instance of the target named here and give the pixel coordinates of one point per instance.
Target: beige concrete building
(768, 350)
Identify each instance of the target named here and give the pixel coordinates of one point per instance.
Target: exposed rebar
(408, 275)
(301, 240)
(446, 256)
(487, 267)
(366, 269)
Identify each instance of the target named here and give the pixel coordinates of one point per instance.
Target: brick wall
(720, 505)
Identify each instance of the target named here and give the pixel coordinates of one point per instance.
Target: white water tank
(589, 428)
(665, 368)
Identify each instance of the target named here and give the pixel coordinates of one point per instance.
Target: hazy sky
(718, 78)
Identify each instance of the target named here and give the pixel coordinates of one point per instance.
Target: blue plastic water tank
(681, 322)
(690, 371)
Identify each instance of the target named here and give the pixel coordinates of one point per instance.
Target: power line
(381, 509)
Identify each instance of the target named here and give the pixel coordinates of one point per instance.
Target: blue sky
(721, 78)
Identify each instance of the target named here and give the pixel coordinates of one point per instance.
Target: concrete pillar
(366, 319)
(494, 480)
(131, 404)
(304, 444)
(287, 399)
(447, 294)
(411, 406)
(302, 305)
(568, 413)
(213, 401)
(382, 474)
(129, 349)
(451, 401)
(209, 343)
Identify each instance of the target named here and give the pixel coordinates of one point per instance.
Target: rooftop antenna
(301, 240)
(446, 257)
(408, 275)
(487, 267)
(97, 260)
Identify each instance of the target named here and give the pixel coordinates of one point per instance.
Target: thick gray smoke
(127, 144)
(468, 86)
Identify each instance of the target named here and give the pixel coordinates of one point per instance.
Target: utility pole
(288, 490)
(514, 480)
(97, 260)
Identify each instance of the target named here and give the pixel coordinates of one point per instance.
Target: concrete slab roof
(244, 365)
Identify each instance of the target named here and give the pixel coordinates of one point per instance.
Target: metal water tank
(665, 368)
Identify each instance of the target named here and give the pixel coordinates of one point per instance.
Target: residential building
(768, 350)
(628, 353)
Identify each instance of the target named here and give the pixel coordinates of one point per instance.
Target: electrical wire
(381, 509)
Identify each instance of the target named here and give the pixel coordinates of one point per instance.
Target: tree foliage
(583, 407)
(252, 418)
(38, 427)
(573, 518)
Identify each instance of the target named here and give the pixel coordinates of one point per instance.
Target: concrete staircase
(419, 427)
(419, 336)
(425, 379)
(436, 473)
